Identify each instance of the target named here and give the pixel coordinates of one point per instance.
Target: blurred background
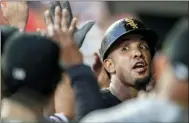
(160, 16)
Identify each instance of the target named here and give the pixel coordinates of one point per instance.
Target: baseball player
(127, 50)
(169, 100)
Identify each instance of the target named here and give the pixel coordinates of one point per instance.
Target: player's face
(131, 60)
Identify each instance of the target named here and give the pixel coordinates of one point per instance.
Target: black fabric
(88, 95)
(87, 91)
(6, 33)
(109, 98)
(31, 61)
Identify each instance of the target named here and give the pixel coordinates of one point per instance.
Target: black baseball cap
(6, 32)
(177, 50)
(31, 61)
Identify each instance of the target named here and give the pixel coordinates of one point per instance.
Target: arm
(84, 83)
(88, 96)
(87, 92)
(148, 110)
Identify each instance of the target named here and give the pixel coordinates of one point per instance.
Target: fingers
(59, 27)
(48, 21)
(66, 5)
(64, 20)
(48, 18)
(72, 27)
(2, 5)
(57, 22)
(4, 9)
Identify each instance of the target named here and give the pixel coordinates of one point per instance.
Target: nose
(137, 54)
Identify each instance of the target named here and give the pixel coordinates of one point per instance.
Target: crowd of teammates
(44, 78)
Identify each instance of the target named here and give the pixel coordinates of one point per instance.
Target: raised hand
(16, 13)
(79, 34)
(63, 35)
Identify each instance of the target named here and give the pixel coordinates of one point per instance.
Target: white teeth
(139, 65)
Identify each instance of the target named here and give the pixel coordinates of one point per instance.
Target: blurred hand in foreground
(16, 13)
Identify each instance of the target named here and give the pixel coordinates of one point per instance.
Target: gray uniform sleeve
(140, 110)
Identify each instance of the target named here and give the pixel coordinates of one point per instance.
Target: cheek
(122, 63)
(148, 58)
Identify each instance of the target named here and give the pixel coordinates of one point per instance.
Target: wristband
(59, 117)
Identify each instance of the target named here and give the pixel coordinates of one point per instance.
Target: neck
(120, 90)
(24, 105)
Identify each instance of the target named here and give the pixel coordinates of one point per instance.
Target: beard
(141, 84)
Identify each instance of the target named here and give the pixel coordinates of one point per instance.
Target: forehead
(128, 39)
(133, 37)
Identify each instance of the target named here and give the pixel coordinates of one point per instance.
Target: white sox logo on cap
(18, 74)
(131, 22)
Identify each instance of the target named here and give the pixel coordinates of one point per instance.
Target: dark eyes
(144, 47)
(125, 49)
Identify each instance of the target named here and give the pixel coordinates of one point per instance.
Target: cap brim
(150, 36)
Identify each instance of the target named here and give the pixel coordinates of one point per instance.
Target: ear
(109, 66)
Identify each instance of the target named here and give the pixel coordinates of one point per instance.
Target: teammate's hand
(164, 82)
(162, 87)
(145, 95)
(16, 13)
(63, 35)
(64, 99)
(79, 34)
(100, 72)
